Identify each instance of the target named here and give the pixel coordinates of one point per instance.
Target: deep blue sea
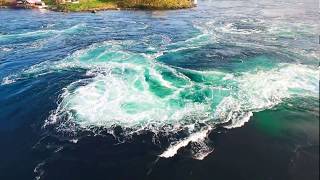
(226, 90)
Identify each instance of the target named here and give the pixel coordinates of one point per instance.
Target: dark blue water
(227, 90)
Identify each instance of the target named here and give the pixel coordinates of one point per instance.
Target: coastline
(92, 6)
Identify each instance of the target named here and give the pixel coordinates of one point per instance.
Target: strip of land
(97, 5)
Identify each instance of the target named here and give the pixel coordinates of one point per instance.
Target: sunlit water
(159, 71)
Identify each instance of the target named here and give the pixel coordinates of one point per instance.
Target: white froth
(265, 89)
(6, 49)
(110, 100)
(195, 137)
(7, 80)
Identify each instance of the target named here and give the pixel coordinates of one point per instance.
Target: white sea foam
(260, 90)
(195, 137)
(8, 80)
(5, 49)
(38, 170)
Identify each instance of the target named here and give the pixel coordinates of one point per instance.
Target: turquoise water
(161, 71)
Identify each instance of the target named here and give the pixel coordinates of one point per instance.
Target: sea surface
(226, 90)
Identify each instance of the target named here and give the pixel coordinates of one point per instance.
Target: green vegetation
(91, 5)
(156, 4)
(83, 5)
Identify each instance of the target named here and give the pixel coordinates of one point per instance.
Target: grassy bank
(83, 5)
(156, 4)
(90, 5)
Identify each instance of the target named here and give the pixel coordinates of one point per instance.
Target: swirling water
(164, 72)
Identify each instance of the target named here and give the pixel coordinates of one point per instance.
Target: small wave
(215, 29)
(233, 29)
(39, 171)
(6, 49)
(197, 137)
(43, 32)
(8, 80)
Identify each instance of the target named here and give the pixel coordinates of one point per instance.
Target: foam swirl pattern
(152, 72)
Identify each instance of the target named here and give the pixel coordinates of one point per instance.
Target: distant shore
(103, 5)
